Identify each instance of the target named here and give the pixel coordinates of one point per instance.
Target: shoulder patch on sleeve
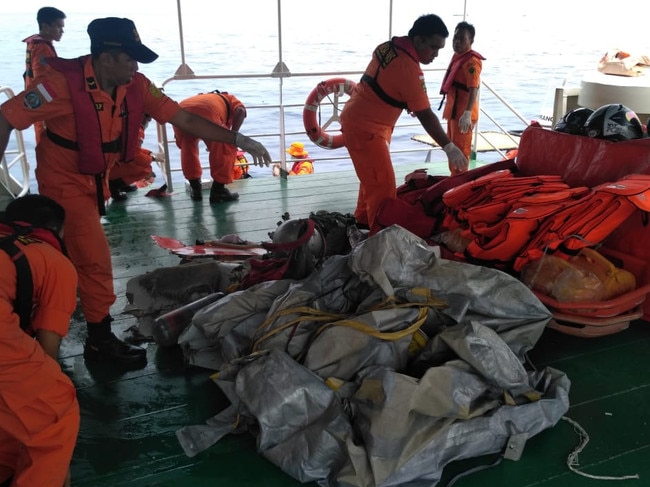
(385, 54)
(155, 91)
(38, 96)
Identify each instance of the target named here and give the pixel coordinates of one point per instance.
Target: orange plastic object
(598, 309)
(582, 326)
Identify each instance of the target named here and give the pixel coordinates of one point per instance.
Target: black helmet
(291, 231)
(573, 121)
(614, 122)
(302, 241)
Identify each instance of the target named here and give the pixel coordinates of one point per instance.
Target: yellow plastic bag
(615, 281)
(562, 280)
(586, 277)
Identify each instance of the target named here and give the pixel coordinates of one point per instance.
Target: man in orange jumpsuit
(392, 82)
(124, 174)
(39, 413)
(93, 107)
(51, 22)
(460, 87)
(240, 168)
(225, 110)
(300, 159)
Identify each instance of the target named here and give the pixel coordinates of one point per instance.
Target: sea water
(531, 47)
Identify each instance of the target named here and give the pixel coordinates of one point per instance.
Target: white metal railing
(184, 72)
(14, 166)
(402, 134)
(487, 122)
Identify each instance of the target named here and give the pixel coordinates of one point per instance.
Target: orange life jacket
(545, 222)
(29, 62)
(88, 131)
(488, 199)
(419, 206)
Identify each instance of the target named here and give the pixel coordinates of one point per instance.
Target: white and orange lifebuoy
(318, 133)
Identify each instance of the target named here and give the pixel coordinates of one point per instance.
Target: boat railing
(14, 166)
(508, 132)
(288, 129)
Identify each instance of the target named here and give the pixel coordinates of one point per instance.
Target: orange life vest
(88, 132)
(541, 222)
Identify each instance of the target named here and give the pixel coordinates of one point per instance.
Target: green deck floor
(129, 419)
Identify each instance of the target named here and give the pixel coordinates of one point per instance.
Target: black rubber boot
(196, 191)
(117, 193)
(220, 194)
(103, 346)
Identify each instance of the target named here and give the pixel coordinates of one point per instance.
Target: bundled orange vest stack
(541, 223)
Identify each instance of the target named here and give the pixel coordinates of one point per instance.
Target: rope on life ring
(318, 133)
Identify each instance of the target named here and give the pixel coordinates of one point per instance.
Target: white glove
(457, 160)
(465, 122)
(158, 156)
(260, 155)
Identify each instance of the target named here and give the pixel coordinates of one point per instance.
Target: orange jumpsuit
(367, 124)
(220, 109)
(469, 75)
(59, 178)
(39, 413)
(36, 51)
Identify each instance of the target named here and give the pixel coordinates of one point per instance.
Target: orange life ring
(318, 134)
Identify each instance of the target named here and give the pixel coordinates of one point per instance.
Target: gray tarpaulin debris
(379, 369)
(154, 293)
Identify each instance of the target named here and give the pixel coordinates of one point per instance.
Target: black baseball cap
(121, 34)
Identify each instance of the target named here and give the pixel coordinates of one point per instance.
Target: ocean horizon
(530, 48)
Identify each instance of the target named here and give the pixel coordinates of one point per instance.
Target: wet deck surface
(129, 419)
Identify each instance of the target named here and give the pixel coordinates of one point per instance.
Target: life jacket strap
(24, 281)
(385, 97)
(114, 146)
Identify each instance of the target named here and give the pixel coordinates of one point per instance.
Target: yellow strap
(308, 314)
(389, 336)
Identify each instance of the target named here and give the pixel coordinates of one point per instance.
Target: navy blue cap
(120, 34)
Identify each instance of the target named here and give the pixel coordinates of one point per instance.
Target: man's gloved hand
(465, 122)
(158, 156)
(261, 156)
(457, 161)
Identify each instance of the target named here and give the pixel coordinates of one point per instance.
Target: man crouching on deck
(39, 412)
